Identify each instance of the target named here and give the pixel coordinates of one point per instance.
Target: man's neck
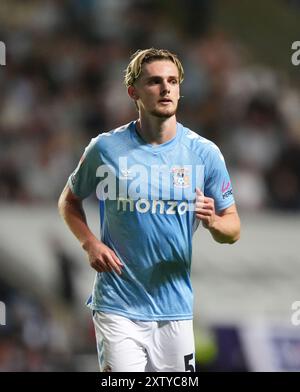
(156, 130)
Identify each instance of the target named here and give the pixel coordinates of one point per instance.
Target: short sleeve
(217, 181)
(83, 181)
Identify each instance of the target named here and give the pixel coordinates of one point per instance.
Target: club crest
(181, 177)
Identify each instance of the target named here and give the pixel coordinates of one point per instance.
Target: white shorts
(125, 345)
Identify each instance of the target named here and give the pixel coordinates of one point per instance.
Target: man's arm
(224, 227)
(101, 257)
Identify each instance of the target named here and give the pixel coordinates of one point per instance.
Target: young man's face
(157, 89)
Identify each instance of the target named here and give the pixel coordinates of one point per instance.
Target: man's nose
(165, 87)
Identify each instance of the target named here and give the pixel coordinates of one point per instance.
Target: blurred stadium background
(62, 85)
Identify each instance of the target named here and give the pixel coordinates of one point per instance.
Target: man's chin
(163, 113)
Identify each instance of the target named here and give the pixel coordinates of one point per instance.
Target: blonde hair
(140, 57)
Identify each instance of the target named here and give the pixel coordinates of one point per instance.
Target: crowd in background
(63, 84)
(40, 335)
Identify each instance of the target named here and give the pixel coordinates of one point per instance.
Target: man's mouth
(165, 100)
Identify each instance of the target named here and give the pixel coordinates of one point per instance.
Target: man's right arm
(101, 257)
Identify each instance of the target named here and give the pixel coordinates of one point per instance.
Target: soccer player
(155, 180)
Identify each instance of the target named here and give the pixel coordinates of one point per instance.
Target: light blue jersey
(147, 196)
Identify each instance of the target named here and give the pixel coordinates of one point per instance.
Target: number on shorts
(189, 366)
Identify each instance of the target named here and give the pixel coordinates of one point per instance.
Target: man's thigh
(119, 344)
(173, 348)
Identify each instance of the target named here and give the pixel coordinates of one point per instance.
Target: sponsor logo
(162, 207)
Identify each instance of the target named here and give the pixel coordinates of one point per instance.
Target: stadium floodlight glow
(2, 313)
(2, 53)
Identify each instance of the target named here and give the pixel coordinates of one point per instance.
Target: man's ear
(132, 93)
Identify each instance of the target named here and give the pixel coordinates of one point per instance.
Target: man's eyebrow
(161, 77)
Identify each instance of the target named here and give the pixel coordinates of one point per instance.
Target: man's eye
(174, 81)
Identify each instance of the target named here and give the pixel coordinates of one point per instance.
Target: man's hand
(102, 258)
(224, 226)
(205, 209)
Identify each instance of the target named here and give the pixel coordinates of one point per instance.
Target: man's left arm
(224, 226)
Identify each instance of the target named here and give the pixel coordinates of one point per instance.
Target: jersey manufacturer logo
(181, 178)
